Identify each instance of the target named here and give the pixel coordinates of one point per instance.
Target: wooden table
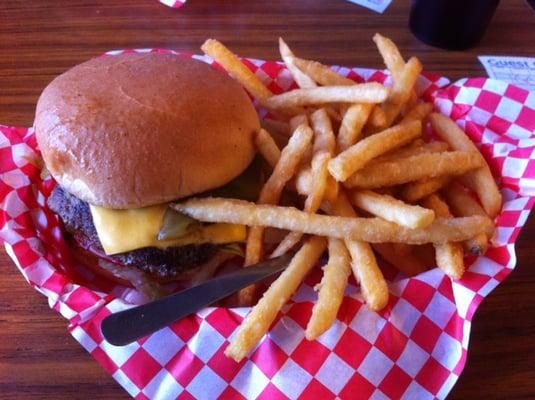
(38, 359)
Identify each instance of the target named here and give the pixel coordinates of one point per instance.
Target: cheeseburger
(125, 135)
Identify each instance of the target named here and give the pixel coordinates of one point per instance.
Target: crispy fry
(415, 191)
(302, 79)
(331, 290)
(322, 74)
(363, 262)
(236, 69)
(463, 204)
(391, 55)
(414, 168)
(304, 182)
(284, 170)
(481, 180)
(362, 93)
(351, 127)
(373, 230)
(413, 149)
(391, 209)
(355, 157)
(324, 140)
(418, 113)
(449, 256)
(262, 315)
(406, 262)
(377, 119)
(267, 147)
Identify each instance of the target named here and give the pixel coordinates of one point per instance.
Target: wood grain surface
(38, 40)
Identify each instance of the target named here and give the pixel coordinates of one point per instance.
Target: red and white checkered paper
(415, 348)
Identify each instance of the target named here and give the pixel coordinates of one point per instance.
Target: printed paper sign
(519, 71)
(375, 5)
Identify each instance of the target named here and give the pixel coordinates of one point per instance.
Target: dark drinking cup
(451, 24)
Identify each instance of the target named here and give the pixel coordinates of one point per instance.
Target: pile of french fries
(372, 179)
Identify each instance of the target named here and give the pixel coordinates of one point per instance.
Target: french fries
(262, 315)
(355, 157)
(236, 69)
(449, 256)
(331, 290)
(382, 143)
(373, 230)
(481, 180)
(414, 168)
(362, 93)
(391, 209)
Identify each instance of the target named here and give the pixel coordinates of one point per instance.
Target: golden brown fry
(351, 127)
(406, 262)
(449, 256)
(415, 191)
(257, 322)
(415, 148)
(419, 112)
(392, 209)
(362, 93)
(322, 74)
(428, 165)
(284, 170)
(391, 56)
(373, 230)
(302, 79)
(331, 290)
(363, 262)
(481, 180)
(304, 182)
(410, 104)
(463, 204)
(236, 69)
(267, 147)
(355, 157)
(324, 140)
(377, 119)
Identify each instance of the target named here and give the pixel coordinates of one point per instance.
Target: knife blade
(130, 325)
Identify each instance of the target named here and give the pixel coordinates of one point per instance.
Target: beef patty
(164, 264)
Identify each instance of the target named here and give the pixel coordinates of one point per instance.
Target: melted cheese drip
(125, 230)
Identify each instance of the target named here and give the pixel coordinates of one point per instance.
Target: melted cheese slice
(125, 230)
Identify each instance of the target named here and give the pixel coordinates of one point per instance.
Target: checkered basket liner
(173, 3)
(415, 348)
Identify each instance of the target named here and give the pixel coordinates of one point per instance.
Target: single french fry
(302, 79)
(322, 74)
(392, 209)
(270, 194)
(405, 262)
(410, 104)
(391, 55)
(418, 113)
(481, 180)
(351, 126)
(418, 190)
(257, 322)
(331, 290)
(449, 256)
(236, 69)
(372, 230)
(362, 93)
(363, 262)
(415, 148)
(324, 140)
(428, 165)
(355, 157)
(267, 147)
(377, 120)
(463, 204)
(304, 183)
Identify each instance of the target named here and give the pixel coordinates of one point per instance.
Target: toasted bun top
(135, 130)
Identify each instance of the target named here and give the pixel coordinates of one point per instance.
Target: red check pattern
(415, 348)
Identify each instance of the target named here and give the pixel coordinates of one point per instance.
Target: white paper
(375, 5)
(519, 71)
